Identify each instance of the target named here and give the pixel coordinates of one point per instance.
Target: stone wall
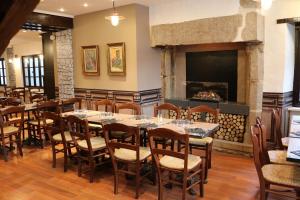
(10, 70)
(65, 64)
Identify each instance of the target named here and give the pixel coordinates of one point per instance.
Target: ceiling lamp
(115, 17)
(266, 4)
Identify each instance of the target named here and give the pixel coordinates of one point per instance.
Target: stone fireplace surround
(242, 32)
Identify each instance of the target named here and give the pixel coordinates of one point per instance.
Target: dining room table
(143, 122)
(293, 151)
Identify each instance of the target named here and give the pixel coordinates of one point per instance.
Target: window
(33, 70)
(2, 72)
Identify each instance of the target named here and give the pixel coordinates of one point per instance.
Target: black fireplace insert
(212, 75)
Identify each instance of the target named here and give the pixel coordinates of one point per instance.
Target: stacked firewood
(232, 126)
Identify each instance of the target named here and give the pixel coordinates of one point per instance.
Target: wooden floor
(33, 178)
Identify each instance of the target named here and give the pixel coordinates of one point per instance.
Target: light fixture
(61, 10)
(266, 4)
(85, 5)
(115, 17)
(24, 30)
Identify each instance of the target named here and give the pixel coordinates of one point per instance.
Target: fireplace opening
(212, 76)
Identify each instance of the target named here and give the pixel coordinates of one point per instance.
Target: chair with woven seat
(70, 104)
(281, 142)
(126, 153)
(176, 162)
(206, 143)
(169, 108)
(272, 156)
(36, 125)
(89, 149)
(131, 107)
(58, 136)
(11, 129)
(273, 174)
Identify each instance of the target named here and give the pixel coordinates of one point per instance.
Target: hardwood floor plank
(33, 178)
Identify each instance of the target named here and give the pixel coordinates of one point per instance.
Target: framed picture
(116, 59)
(90, 60)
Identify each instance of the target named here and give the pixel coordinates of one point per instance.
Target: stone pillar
(168, 72)
(10, 70)
(65, 64)
(255, 84)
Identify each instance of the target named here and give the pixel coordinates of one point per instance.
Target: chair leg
(263, 193)
(5, 152)
(65, 158)
(209, 154)
(53, 155)
(160, 189)
(137, 182)
(92, 169)
(79, 165)
(206, 161)
(116, 183)
(201, 184)
(40, 136)
(184, 188)
(19, 144)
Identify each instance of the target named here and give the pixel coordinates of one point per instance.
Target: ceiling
(76, 7)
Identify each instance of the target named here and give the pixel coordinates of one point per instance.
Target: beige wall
(24, 49)
(148, 59)
(142, 62)
(93, 29)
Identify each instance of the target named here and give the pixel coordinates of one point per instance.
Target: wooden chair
(11, 101)
(58, 136)
(128, 154)
(19, 92)
(166, 107)
(281, 142)
(206, 143)
(176, 162)
(37, 98)
(135, 109)
(89, 149)
(273, 174)
(271, 156)
(70, 104)
(37, 125)
(106, 103)
(11, 128)
(108, 106)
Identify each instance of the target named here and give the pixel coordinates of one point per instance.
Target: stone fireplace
(231, 82)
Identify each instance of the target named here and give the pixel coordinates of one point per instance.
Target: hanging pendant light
(266, 4)
(115, 17)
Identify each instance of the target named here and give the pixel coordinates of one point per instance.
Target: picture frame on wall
(90, 60)
(116, 59)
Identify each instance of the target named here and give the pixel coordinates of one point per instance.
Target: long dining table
(194, 129)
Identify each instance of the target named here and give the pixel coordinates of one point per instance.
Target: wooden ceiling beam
(14, 14)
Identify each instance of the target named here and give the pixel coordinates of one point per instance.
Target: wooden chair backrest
(106, 103)
(257, 152)
(11, 101)
(71, 102)
(8, 113)
(204, 109)
(37, 98)
(277, 122)
(129, 106)
(167, 134)
(115, 144)
(16, 94)
(57, 127)
(167, 106)
(79, 128)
